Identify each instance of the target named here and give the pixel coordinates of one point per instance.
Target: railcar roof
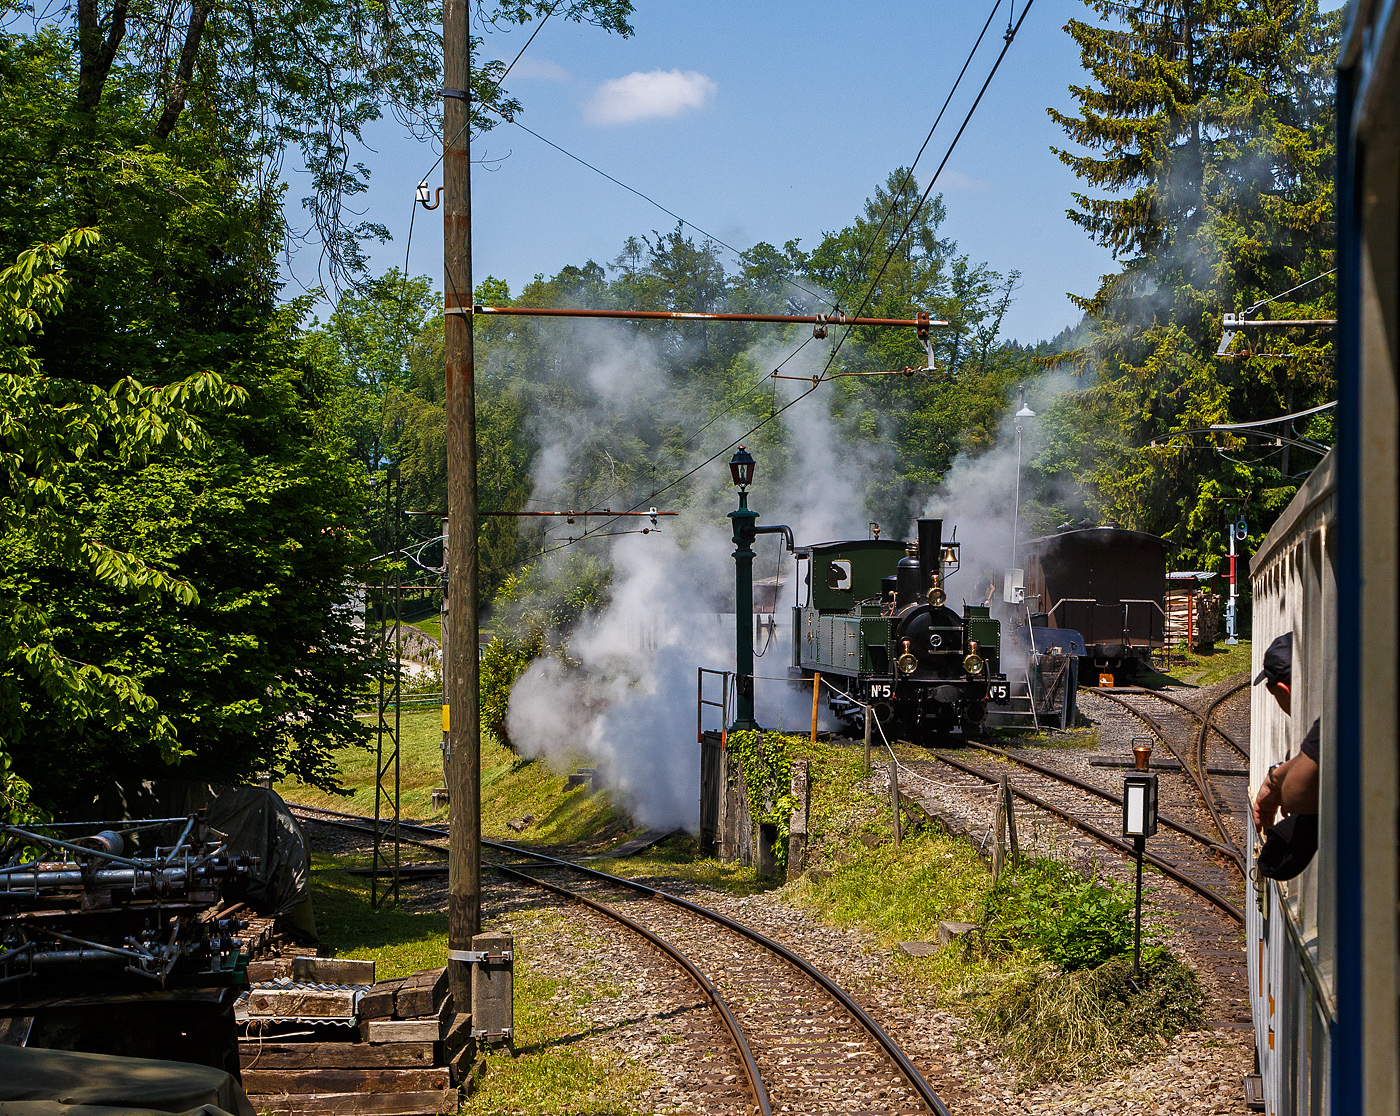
(1099, 536)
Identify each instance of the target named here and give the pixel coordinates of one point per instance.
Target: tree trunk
(95, 52)
(184, 70)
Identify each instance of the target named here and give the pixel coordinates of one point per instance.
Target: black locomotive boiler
(878, 625)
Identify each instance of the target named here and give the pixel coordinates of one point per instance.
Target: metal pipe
(685, 316)
(1280, 323)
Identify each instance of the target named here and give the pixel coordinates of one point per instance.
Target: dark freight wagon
(1108, 585)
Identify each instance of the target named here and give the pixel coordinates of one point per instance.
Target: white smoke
(629, 705)
(978, 496)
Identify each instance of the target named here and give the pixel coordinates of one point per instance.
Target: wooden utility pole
(461, 673)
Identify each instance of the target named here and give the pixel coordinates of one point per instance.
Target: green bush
(1072, 922)
(503, 661)
(766, 760)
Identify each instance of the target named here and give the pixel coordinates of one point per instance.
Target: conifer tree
(1205, 136)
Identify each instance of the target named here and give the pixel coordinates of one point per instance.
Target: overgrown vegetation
(511, 787)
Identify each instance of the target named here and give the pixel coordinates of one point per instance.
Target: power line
(653, 201)
(894, 201)
(874, 239)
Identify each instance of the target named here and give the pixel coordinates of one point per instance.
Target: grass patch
(1203, 668)
(398, 941)
(549, 1072)
(1056, 1025)
(1045, 974)
(510, 788)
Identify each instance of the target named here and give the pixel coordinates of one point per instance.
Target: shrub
(1072, 922)
(1056, 1025)
(503, 661)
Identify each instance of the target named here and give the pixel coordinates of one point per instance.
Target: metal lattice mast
(386, 857)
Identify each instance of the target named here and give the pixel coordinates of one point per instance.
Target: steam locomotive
(877, 625)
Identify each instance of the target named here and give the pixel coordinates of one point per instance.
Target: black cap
(1278, 661)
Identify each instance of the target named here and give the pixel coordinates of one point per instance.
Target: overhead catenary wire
(1281, 294)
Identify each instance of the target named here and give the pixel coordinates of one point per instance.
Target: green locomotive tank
(877, 616)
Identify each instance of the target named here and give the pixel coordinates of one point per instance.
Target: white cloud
(641, 96)
(956, 180)
(541, 68)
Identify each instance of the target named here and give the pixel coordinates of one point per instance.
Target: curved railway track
(1190, 858)
(1194, 846)
(805, 1044)
(1192, 759)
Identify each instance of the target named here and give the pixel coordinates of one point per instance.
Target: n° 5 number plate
(999, 691)
(881, 690)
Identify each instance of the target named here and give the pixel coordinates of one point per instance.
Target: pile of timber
(322, 1037)
(1201, 607)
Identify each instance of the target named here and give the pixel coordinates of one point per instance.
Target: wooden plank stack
(1204, 608)
(403, 1056)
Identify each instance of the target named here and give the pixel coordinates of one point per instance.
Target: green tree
(1208, 129)
(54, 433)
(303, 77)
(246, 662)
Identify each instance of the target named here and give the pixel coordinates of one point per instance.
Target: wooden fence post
(999, 845)
(816, 689)
(869, 715)
(894, 799)
(1009, 805)
(797, 823)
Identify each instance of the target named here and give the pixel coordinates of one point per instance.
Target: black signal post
(741, 469)
(1139, 823)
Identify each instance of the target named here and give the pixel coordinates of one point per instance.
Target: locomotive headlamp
(973, 662)
(741, 467)
(906, 662)
(1139, 805)
(936, 596)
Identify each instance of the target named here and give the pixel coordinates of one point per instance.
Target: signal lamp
(906, 663)
(741, 467)
(1139, 805)
(973, 662)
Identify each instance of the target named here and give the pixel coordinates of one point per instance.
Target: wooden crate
(427, 1102)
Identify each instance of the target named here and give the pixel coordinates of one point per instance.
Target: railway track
(1195, 845)
(1191, 747)
(803, 1043)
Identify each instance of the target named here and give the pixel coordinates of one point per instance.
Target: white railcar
(1325, 948)
(1290, 938)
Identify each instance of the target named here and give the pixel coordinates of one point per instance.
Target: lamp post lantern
(1022, 414)
(1139, 823)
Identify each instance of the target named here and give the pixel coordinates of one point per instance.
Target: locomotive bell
(973, 662)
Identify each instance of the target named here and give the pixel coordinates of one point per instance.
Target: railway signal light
(1139, 823)
(1139, 805)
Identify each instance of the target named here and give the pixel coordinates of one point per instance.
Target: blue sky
(763, 122)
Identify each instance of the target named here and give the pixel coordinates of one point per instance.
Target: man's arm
(1290, 786)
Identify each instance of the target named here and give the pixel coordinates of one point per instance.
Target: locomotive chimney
(930, 553)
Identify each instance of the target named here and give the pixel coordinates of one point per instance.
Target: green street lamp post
(741, 467)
